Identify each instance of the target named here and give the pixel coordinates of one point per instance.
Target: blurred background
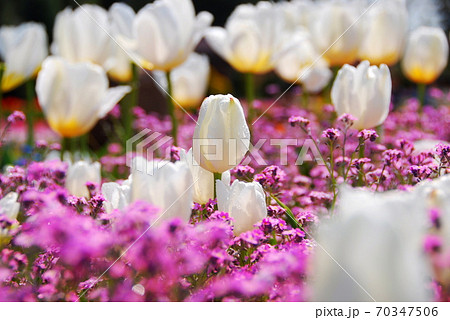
(223, 77)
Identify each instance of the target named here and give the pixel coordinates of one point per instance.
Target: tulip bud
(117, 195)
(22, 48)
(301, 63)
(384, 31)
(75, 96)
(169, 188)
(9, 206)
(335, 31)
(167, 31)
(83, 35)
(372, 249)
(363, 92)
(245, 202)
(189, 80)
(251, 39)
(80, 173)
(426, 55)
(203, 179)
(221, 136)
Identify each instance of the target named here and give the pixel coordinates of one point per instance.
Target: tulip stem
(304, 98)
(217, 176)
(421, 93)
(250, 95)
(64, 147)
(2, 71)
(30, 111)
(131, 102)
(171, 109)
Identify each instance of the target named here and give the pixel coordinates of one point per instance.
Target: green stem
(130, 102)
(305, 98)
(30, 111)
(362, 149)
(84, 144)
(2, 71)
(250, 95)
(64, 147)
(380, 132)
(421, 93)
(290, 216)
(217, 176)
(171, 109)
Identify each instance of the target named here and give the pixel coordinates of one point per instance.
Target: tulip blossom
(383, 33)
(9, 205)
(221, 136)
(301, 63)
(189, 80)
(74, 96)
(296, 13)
(372, 249)
(363, 92)
(121, 19)
(22, 48)
(203, 179)
(9, 209)
(335, 31)
(82, 35)
(79, 174)
(244, 201)
(117, 195)
(251, 39)
(166, 185)
(167, 31)
(426, 55)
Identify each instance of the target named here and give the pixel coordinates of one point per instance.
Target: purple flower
(331, 134)
(368, 134)
(16, 116)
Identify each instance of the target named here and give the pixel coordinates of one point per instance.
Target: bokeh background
(223, 78)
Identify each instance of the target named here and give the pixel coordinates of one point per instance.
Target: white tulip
(384, 32)
(83, 35)
(170, 187)
(335, 31)
(251, 39)
(221, 136)
(189, 80)
(203, 179)
(372, 249)
(121, 18)
(364, 92)
(301, 63)
(80, 173)
(74, 96)
(436, 195)
(245, 202)
(117, 196)
(9, 205)
(167, 31)
(426, 55)
(22, 48)
(296, 13)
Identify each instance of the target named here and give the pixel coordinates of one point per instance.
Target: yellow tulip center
(69, 128)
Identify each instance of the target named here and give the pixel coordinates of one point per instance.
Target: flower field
(321, 176)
